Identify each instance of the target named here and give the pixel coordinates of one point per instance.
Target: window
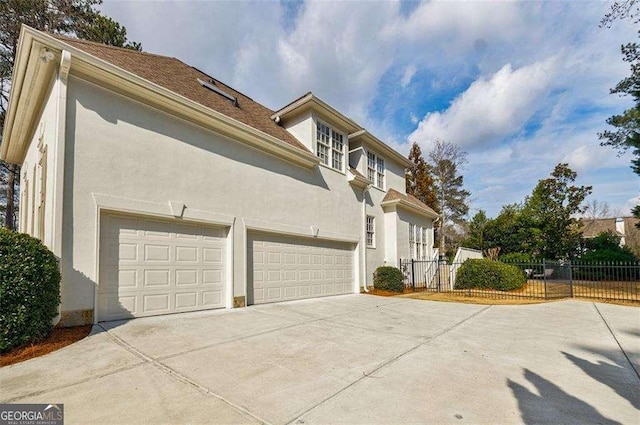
(375, 170)
(371, 228)
(418, 243)
(338, 150)
(380, 163)
(330, 146)
(412, 236)
(424, 244)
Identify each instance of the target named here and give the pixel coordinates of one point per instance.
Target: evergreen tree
(550, 212)
(419, 181)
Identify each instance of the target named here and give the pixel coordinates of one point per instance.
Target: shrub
(388, 279)
(29, 289)
(489, 274)
(517, 257)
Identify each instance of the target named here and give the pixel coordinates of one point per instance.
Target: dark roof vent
(213, 88)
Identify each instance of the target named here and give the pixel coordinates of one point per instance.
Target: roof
(177, 76)
(394, 197)
(593, 227)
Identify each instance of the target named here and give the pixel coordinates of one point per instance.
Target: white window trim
(372, 231)
(329, 146)
(376, 170)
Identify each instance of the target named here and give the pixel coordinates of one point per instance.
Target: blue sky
(521, 86)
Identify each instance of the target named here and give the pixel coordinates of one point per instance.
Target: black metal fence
(545, 279)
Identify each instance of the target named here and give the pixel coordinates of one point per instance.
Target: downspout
(58, 162)
(364, 237)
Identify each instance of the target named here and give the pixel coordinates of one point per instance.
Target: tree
(69, 17)
(445, 161)
(627, 125)
(595, 209)
(551, 210)
(419, 181)
(475, 231)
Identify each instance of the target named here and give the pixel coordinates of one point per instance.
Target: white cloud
(490, 108)
(409, 72)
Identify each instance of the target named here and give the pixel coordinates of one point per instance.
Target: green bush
(489, 274)
(29, 289)
(388, 279)
(517, 257)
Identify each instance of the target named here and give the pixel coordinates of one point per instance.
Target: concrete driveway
(349, 359)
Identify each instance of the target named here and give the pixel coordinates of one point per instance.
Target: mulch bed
(60, 337)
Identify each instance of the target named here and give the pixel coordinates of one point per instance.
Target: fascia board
(408, 206)
(311, 102)
(379, 145)
(17, 77)
(27, 98)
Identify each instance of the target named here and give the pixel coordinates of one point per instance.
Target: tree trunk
(11, 180)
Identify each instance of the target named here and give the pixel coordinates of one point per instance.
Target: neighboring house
(162, 190)
(623, 227)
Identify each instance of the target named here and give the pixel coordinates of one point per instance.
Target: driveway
(349, 359)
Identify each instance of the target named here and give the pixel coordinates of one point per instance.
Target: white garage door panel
(150, 267)
(287, 268)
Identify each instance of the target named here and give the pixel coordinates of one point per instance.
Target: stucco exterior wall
(302, 128)
(377, 256)
(43, 142)
(119, 148)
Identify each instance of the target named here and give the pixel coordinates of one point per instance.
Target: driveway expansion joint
(281, 328)
(626, 356)
(180, 377)
(298, 418)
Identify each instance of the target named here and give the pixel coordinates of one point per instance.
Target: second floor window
(330, 146)
(375, 170)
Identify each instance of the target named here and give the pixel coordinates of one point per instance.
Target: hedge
(489, 274)
(389, 279)
(29, 290)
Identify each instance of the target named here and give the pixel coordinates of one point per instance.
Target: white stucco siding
(302, 128)
(120, 148)
(395, 176)
(377, 256)
(40, 158)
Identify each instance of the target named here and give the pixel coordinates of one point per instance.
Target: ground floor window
(371, 228)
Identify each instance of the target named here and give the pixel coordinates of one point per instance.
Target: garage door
(286, 268)
(150, 267)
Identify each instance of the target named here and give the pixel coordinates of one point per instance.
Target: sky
(520, 86)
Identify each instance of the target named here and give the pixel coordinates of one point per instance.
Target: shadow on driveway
(611, 374)
(553, 405)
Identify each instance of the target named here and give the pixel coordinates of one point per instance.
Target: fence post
(544, 276)
(413, 275)
(571, 278)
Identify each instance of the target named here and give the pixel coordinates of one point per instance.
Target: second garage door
(287, 268)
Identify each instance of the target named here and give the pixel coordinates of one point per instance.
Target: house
(163, 190)
(623, 227)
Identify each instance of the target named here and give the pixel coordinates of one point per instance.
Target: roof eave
(408, 206)
(312, 102)
(381, 146)
(35, 72)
